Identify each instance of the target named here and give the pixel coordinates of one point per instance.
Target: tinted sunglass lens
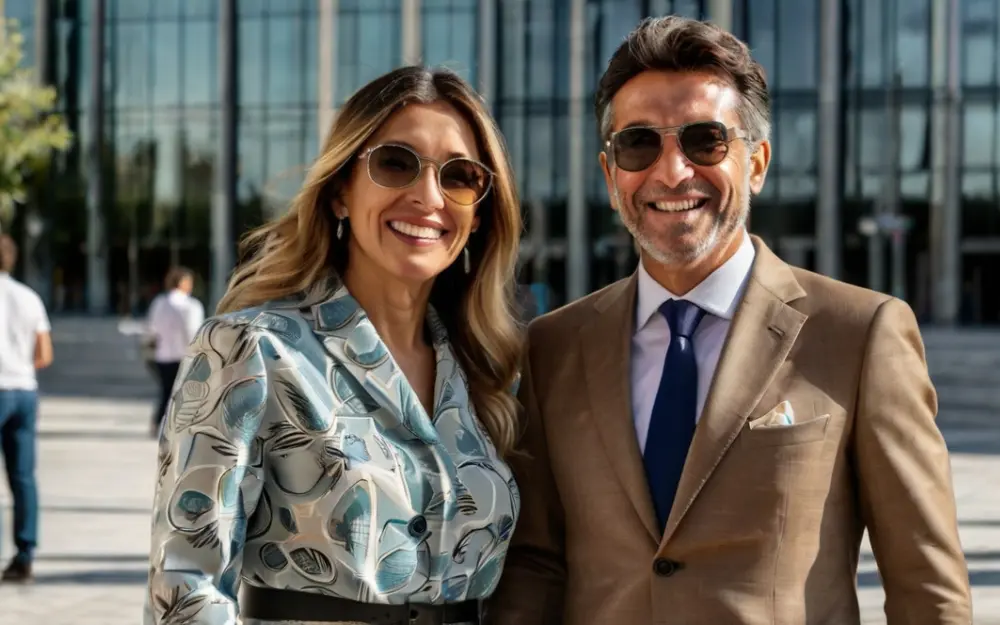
(393, 166)
(464, 181)
(637, 148)
(704, 143)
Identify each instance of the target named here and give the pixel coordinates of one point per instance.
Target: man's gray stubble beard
(666, 257)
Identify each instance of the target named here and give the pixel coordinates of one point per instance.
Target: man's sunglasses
(462, 180)
(703, 143)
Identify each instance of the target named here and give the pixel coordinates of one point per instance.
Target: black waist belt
(272, 604)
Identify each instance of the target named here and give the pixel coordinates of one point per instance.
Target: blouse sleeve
(210, 478)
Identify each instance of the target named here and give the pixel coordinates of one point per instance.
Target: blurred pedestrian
(336, 450)
(174, 318)
(25, 347)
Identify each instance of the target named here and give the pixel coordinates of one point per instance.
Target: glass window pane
(915, 187)
(799, 32)
(513, 51)
(368, 44)
(542, 154)
(688, 8)
(309, 32)
(284, 60)
(251, 8)
(199, 8)
(21, 10)
(796, 149)
(251, 61)
(613, 19)
(796, 188)
(449, 36)
(200, 50)
(134, 169)
(252, 152)
(28, 45)
(873, 43)
(285, 161)
(978, 45)
(166, 63)
(914, 42)
(874, 134)
(128, 9)
(167, 178)
(914, 137)
(132, 63)
(168, 9)
(977, 146)
(197, 178)
(542, 41)
(762, 37)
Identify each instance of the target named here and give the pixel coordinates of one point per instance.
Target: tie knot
(682, 316)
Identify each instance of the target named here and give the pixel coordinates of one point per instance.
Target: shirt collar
(719, 294)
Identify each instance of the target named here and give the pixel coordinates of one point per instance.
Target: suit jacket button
(665, 568)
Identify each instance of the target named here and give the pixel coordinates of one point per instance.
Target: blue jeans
(18, 416)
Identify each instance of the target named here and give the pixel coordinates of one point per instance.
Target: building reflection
(299, 59)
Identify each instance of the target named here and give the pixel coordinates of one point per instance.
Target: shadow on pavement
(142, 511)
(101, 434)
(990, 577)
(975, 556)
(94, 578)
(130, 558)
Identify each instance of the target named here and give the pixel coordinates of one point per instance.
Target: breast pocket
(801, 433)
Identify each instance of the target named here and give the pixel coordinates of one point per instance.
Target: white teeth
(419, 232)
(673, 207)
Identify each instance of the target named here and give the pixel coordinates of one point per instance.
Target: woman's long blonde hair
(298, 250)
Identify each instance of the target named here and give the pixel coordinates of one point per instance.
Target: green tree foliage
(30, 130)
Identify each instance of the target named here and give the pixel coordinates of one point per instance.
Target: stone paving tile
(96, 471)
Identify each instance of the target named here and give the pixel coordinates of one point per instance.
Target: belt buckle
(425, 615)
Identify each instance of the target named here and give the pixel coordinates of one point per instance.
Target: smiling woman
(335, 443)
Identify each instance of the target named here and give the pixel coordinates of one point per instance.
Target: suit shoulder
(565, 320)
(841, 299)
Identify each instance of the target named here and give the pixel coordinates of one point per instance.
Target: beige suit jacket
(767, 523)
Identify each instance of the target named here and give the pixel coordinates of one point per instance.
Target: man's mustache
(664, 192)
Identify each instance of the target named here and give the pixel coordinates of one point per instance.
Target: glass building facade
(870, 121)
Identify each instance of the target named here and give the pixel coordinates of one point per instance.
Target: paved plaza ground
(96, 468)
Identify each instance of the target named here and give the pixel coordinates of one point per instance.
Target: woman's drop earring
(340, 228)
(466, 260)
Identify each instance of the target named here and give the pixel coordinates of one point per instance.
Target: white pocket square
(780, 416)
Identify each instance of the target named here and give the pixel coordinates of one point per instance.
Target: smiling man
(708, 439)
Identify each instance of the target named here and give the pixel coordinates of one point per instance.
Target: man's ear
(609, 180)
(759, 162)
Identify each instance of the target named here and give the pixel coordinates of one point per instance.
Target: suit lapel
(762, 334)
(606, 343)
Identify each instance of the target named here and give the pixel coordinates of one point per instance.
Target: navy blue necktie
(671, 426)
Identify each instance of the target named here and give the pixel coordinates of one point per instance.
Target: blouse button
(418, 526)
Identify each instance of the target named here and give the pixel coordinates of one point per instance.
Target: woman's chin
(417, 270)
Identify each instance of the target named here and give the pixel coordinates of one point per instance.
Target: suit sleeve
(209, 480)
(906, 493)
(532, 587)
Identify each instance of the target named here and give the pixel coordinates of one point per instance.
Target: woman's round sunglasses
(462, 180)
(703, 143)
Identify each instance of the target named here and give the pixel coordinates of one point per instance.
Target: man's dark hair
(681, 44)
(177, 275)
(8, 253)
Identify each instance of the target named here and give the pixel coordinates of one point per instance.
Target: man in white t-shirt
(174, 319)
(25, 346)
